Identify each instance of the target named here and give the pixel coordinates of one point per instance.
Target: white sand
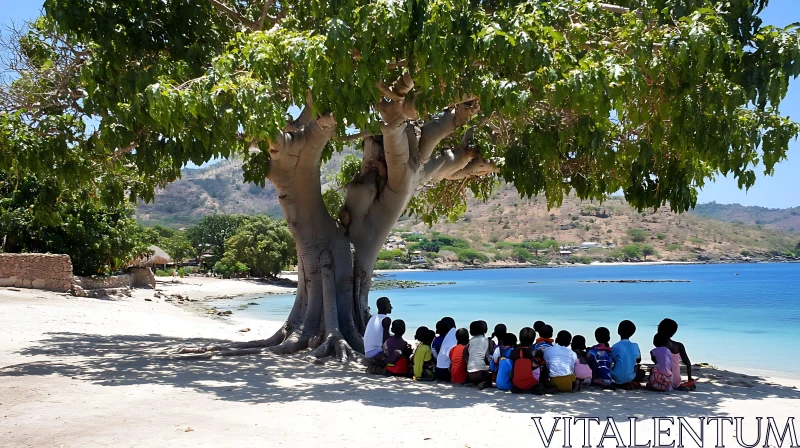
(209, 287)
(79, 372)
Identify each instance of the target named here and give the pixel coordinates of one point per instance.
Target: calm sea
(744, 317)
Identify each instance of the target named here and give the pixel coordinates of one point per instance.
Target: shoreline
(499, 265)
(91, 372)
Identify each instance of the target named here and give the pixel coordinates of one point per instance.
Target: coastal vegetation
(99, 237)
(231, 245)
(555, 98)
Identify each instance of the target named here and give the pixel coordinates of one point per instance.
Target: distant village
(408, 252)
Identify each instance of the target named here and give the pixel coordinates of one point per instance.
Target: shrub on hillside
(520, 254)
(390, 254)
(631, 253)
(638, 235)
(648, 251)
(579, 260)
(470, 256)
(383, 264)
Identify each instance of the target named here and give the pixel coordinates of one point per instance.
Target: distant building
(588, 245)
(565, 252)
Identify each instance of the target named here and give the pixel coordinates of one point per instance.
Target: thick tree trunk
(336, 258)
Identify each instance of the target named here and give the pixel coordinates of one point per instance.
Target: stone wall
(40, 271)
(110, 282)
(142, 277)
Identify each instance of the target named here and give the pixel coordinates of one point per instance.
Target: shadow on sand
(132, 360)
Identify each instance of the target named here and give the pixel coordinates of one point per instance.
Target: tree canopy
(210, 234)
(263, 244)
(649, 96)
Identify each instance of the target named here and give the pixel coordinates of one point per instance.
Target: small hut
(158, 258)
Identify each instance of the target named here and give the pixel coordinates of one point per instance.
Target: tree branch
(618, 9)
(460, 163)
(299, 150)
(223, 8)
(124, 150)
(263, 17)
(477, 167)
(306, 115)
(353, 137)
(437, 129)
(399, 139)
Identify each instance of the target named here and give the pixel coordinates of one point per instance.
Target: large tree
(651, 97)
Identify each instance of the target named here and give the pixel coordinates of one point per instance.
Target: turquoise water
(744, 317)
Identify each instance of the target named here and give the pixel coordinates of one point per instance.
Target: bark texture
(336, 257)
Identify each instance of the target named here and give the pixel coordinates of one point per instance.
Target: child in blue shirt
(600, 358)
(505, 367)
(627, 374)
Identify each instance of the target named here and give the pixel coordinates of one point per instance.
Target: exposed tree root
(245, 348)
(293, 344)
(335, 345)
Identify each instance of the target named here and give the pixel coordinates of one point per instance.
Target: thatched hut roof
(159, 257)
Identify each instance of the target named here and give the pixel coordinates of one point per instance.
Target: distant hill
(787, 219)
(217, 188)
(506, 217)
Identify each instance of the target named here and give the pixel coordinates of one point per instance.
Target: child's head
(602, 335)
(442, 328)
(578, 342)
(626, 329)
(428, 337)
(510, 340)
(669, 327)
(462, 336)
(538, 325)
(563, 338)
(449, 322)
(477, 328)
(526, 336)
(500, 332)
(546, 331)
(421, 333)
(398, 327)
(660, 340)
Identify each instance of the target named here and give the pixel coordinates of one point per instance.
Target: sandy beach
(83, 372)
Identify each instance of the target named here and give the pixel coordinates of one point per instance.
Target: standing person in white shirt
(443, 357)
(376, 333)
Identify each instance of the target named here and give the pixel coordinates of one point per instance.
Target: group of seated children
(534, 362)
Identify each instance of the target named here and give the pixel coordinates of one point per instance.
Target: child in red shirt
(458, 365)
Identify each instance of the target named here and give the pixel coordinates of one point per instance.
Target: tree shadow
(144, 359)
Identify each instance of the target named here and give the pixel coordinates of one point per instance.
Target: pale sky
(779, 191)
